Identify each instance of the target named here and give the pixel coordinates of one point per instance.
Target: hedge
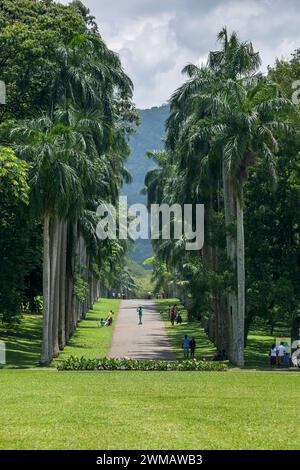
(75, 363)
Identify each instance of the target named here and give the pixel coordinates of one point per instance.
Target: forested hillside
(148, 137)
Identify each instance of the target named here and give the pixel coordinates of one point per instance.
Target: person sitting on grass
(108, 320)
(186, 347)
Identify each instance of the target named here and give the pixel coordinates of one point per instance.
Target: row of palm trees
(223, 118)
(76, 151)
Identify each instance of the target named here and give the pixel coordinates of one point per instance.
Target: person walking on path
(140, 313)
(173, 316)
(281, 353)
(273, 355)
(179, 319)
(186, 347)
(193, 347)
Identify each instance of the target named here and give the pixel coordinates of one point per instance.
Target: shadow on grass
(23, 345)
(258, 344)
(204, 349)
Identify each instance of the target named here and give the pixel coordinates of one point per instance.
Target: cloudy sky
(156, 38)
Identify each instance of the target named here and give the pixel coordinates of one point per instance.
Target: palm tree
(242, 120)
(224, 113)
(55, 156)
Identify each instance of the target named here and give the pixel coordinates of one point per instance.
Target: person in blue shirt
(186, 347)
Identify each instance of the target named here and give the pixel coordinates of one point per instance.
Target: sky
(157, 38)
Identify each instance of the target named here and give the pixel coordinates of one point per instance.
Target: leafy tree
(14, 230)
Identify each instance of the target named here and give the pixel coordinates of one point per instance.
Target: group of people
(281, 357)
(108, 320)
(119, 295)
(189, 347)
(174, 315)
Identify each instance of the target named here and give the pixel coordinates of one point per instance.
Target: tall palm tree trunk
(235, 253)
(239, 344)
(63, 288)
(45, 355)
(56, 284)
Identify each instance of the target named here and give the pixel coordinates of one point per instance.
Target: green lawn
(23, 345)
(205, 349)
(90, 340)
(258, 345)
(46, 409)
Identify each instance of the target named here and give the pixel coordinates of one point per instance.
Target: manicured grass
(205, 349)
(90, 340)
(23, 345)
(258, 344)
(46, 409)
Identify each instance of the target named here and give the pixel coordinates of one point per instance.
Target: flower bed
(75, 363)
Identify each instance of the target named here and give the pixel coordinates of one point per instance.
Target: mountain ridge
(148, 137)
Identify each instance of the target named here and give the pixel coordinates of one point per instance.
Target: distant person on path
(193, 347)
(179, 319)
(173, 316)
(273, 355)
(186, 347)
(169, 312)
(140, 313)
(281, 353)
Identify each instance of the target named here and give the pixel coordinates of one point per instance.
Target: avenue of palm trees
(64, 141)
(223, 119)
(75, 150)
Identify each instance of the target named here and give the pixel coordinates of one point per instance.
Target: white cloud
(156, 38)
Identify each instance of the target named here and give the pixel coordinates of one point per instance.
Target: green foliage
(81, 288)
(13, 177)
(141, 277)
(68, 115)
(230, 124)
(30, 33)
(19, 248)
(75, 363)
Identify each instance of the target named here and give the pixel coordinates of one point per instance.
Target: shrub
(75, 363)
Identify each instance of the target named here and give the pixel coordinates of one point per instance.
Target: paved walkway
(146, 341)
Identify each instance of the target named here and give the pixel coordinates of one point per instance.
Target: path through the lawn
(146, 341)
